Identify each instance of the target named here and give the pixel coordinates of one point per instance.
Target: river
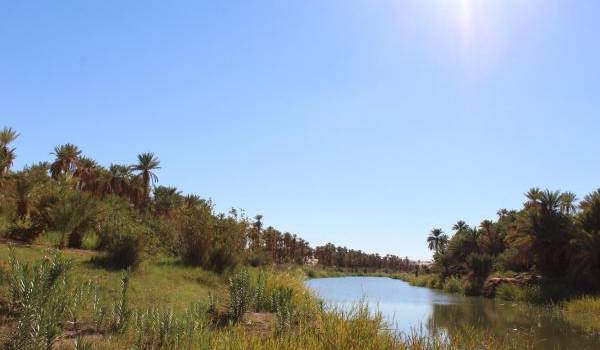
(407, 308)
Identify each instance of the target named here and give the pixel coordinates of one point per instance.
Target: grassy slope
(161, 281)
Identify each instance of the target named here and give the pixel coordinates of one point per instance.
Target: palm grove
(75, 202)
(552, 237)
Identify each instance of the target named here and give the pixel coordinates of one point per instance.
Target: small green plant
(40, 297)
(78, 301)
(99, 309)
(90, 241)
(240, 294)
(160, 328)
(453, 285)
(281, 305)
(510, 292)
(120, 311)
(125, 251)
(260, 297)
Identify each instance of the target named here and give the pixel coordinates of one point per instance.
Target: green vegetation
(550, 247)
(82, 306)
(584, 312)
(133, 264)
(453, 285)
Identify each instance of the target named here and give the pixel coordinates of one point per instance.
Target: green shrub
(240, 294)
(228, 240)
(281, 305)
(24, 230)
(126, 251)
(480, 266)
(50, 239)
(5, 224)
(162, 328)
(90, 241)
(121, 312)
(453, 285)
(511, 292)
(310, 273)
(193, 228)
(40, 296)
(261, 301)
(471, 288)
(72, 213)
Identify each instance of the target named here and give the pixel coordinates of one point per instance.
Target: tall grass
(584, 313)
(453, 285)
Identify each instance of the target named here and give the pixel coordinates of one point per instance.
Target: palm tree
(192, 200)
(437, 240)
(533, 197)
(255, 232)
(146, 163)
(87, 173)
(460, 226)
(7, 136)
(550, 200)
(7, 155)
(567, 202)
(67, 160)
(502, 213)
(166, 199)
(117, 180)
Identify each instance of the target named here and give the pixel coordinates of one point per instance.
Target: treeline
(554, 236)
(332, 256)
(72, 201)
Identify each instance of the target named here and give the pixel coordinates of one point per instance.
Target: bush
(5, 225)
(511, 260)
(90, 241)
(41, 297)
(24, 230)
(193, 228)
(240, 295)
(126, 251)
(510, 292)
(72, 213)
(453, 285)
(471, 288)
(281, 305)
(480, 266)
(50, 239)
(435, 282)
(227, 243)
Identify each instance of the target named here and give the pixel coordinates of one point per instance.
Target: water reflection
(407, 308)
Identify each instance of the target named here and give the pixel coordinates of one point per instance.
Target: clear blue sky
(364, 123)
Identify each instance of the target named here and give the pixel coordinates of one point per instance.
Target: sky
(358, 122)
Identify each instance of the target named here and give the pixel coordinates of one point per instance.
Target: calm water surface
(407, 308)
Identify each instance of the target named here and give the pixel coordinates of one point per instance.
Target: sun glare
(465, 20)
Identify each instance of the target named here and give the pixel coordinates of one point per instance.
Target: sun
(465, 20)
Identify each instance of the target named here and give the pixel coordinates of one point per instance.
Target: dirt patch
(260, 323)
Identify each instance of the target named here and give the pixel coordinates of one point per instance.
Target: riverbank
(165, 305)
(582, 312)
